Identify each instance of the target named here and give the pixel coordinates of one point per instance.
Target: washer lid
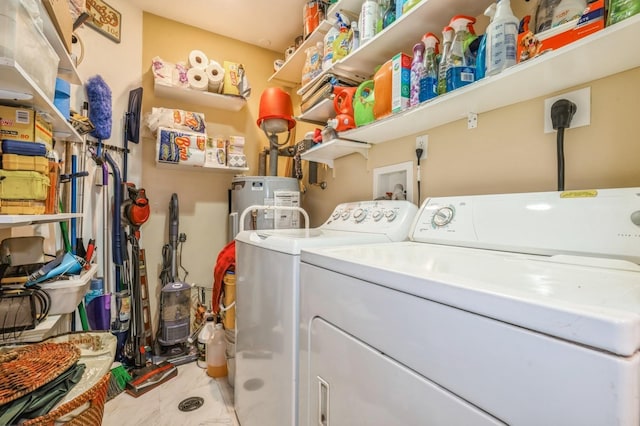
(291, 241)
(593, 305)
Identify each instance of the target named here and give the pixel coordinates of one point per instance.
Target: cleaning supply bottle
(383, 5)
(443, 65)
(502, 41)
(329, 37)
(429, 80)
(341, 44)
(568, 10)
(417, 73)
(205, 334)
(355, 36)
(389, 15)
(544, 14)
(367, 21)
(460, 71)
(481, 58)
(216, 357)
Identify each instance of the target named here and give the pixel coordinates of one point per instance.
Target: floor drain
(191, 403)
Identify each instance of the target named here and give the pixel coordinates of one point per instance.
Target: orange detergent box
(16, 123)
(531, 45)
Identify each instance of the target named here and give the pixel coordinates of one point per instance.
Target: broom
(118, 381)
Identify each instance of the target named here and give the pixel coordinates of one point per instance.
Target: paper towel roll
(215, 74)
(197, 59)
(197, 79)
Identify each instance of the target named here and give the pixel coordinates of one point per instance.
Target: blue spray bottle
(429, 80)
(460, 71)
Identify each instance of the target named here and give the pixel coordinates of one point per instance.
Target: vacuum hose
(173, 235)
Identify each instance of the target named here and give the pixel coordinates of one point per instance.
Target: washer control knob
(377, 215)
(335, 215)
(359, 215)
(390, 215)
(346, 214)
(443, 216)
(635, 217)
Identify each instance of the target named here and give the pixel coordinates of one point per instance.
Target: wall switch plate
(582, 117)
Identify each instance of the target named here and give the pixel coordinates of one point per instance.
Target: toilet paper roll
(197, 79)
(215, 74)
(197, 59)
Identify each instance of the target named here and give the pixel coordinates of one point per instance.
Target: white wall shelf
(319, 113)
(596, 56)
(178, 166)
(12, 220)
(18, 88)
(326, 152)
(204, 98)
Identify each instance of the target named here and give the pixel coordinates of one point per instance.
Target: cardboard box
(531, 45)
(16, 123)
(401, 82)
(60, 15)
(43, 132)
(233, 74)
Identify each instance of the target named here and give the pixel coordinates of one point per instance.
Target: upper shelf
(326, 152)
(204, 98)
(598, 55)
(17, 87)
(11, 220)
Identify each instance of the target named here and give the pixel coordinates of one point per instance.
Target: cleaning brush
(119, 379)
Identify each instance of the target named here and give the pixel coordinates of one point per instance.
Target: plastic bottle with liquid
(502, 41)
(389, 15)
(355, 36)
(327, 57)
(429, 80)
(216, 353)
(383, 5)
(417, 72)
(443, 65)
(205, 334)
(96, 289)
(568, 10)
(367, 20)
(460, 71)
(483, 49)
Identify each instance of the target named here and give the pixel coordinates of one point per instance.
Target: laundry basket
(84, 404)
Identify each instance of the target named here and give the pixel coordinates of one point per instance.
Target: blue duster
(99, 98)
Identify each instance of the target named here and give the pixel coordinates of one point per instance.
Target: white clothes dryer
(520, 309)
(267, 297)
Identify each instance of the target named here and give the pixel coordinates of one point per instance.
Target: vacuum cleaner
(175, 301)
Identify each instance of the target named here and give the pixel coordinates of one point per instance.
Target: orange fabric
(226, 260)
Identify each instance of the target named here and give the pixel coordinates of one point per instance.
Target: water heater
(263, 190)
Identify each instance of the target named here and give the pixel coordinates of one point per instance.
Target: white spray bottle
(502, 41)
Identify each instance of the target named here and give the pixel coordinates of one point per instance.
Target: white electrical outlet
(422, 142)
(582, 117)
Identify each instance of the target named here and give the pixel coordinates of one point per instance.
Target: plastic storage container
(23, 41)
(23, 185)
(22, 207)
(65, 294)
(25, 162)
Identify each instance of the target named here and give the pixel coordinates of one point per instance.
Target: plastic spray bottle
(460, 71)
(389, 15)
(417, 73)
(502, 40)
(429, 80)
(483, 49)
(367, 22)
(447, 39)
(342, 43)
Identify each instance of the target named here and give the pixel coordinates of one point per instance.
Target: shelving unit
(13, 220)
(319, 113)
(326, 152)
(204, 98)
(66, 68)
(596, 56)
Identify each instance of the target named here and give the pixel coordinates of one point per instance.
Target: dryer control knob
(443, 216)
(346, 214)
(635, 217)
(359, 215)
(377, 215)
(335, 215)
(390, 215)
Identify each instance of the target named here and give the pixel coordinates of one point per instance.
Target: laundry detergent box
(400, 82)
(16, 123)
(178, 146)
(531, 45)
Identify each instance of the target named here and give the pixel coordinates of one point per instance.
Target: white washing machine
(520, 309)
(267, 296)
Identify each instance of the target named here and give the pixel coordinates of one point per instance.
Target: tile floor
(159, 407)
